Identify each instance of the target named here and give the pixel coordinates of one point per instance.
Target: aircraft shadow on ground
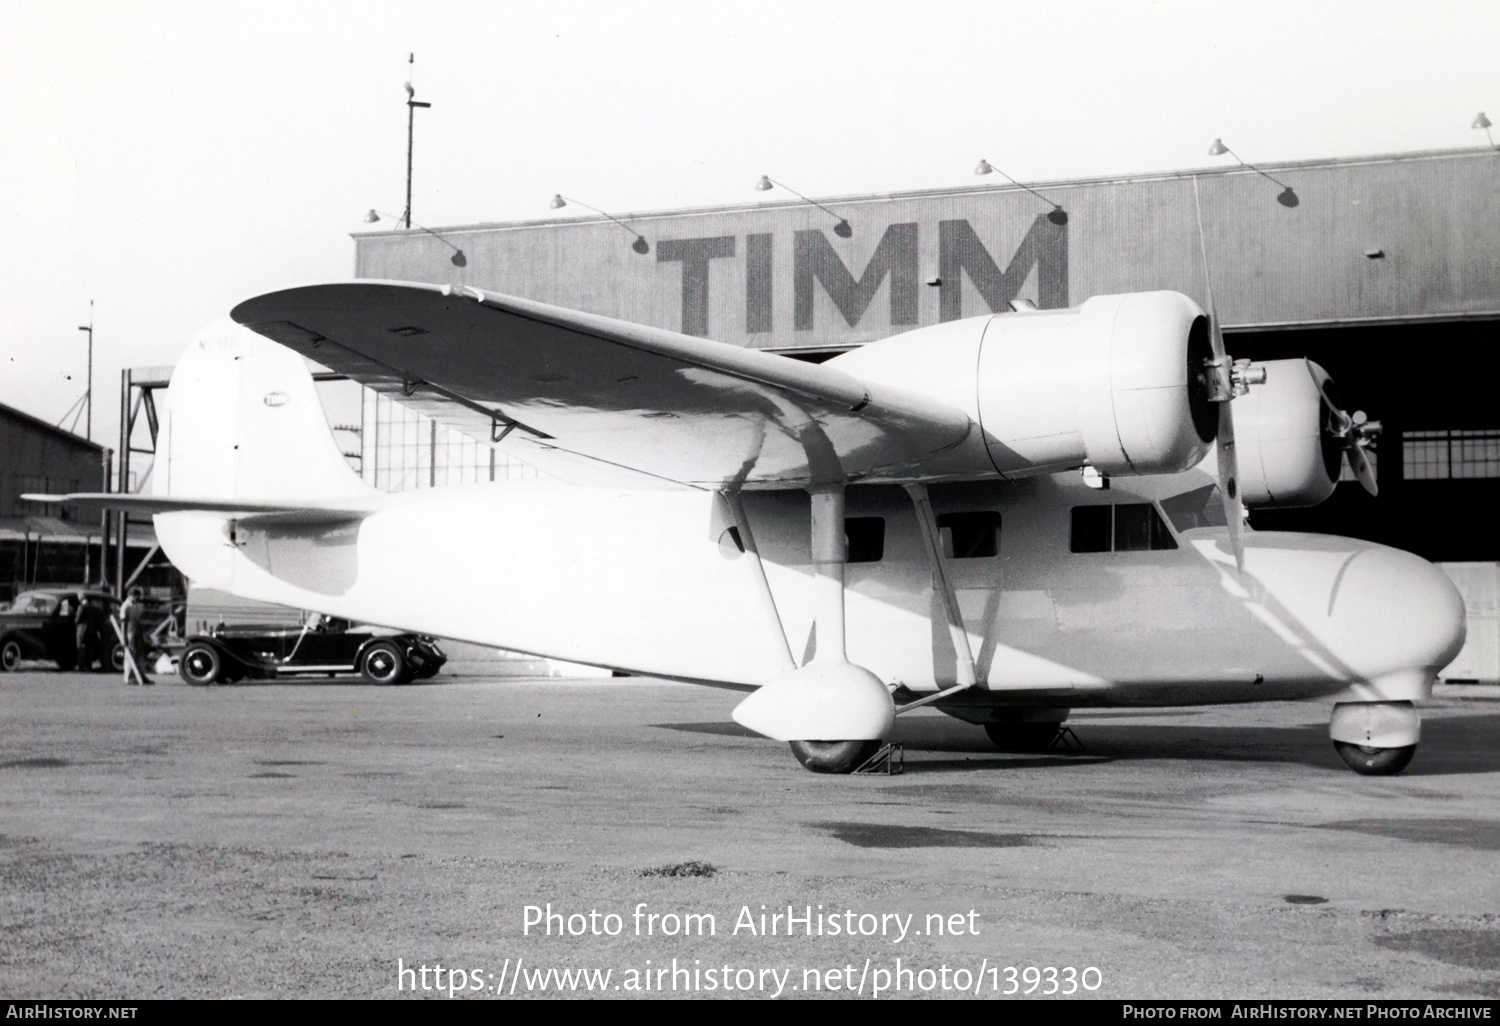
(1451, 745)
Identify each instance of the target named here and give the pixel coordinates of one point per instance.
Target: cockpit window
(1201, 507)
(1127, 527)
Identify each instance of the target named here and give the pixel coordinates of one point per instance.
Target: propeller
(1224, 379)
(1227, 379)
(1355, 432)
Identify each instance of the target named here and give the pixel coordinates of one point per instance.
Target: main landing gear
(833, 713)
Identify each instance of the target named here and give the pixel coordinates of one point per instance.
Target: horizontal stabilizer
(302, 513)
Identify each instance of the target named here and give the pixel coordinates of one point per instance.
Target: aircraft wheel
(10, 655)
(382, 663)
(1375, 762)
(834, 756)
(200, 665)
(1022, 737)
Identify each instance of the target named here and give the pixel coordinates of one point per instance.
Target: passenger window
(969, 535)
(1129, 527)
(866, 538)
(1139, 528)
(1091, 527)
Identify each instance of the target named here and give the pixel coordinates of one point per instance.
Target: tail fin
(244, 422)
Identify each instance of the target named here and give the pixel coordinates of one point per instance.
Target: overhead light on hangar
(842, 229)
(1287, 197)
(1483, 122)
(1058, 214)
(640, 245)
(457, 259)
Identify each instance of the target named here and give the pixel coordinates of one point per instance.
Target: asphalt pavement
(335, 839)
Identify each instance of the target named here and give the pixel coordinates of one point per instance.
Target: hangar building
(1386, 270)
(42, 544)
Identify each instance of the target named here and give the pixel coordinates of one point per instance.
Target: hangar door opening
(1432, 386)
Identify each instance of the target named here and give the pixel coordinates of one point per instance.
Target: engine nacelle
(1118, 382)
(1288, 456)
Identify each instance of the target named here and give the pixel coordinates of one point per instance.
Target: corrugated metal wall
(778, 276)
(38, 458)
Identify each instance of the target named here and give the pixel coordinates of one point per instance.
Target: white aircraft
(904, 523)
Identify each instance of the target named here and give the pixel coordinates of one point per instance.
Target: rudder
(244, 421)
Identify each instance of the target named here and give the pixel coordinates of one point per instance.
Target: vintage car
(39, 624)
(322, 645)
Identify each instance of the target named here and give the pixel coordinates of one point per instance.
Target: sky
(167, 160)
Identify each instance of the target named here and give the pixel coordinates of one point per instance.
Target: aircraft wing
(600, 401)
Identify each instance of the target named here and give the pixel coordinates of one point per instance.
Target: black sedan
(322, 645)
(41, 624)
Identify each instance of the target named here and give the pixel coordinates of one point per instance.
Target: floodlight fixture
(1058, 214)
(457, 259)
(640, 245)
(1483, 122)
(841, 229)
(1287, 197)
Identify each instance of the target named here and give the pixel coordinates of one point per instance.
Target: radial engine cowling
(1288, 455)
(1118, 382)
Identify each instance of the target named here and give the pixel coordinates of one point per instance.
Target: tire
(834, 756)
(383, 663)
(1375, 762)
(116, 661)
(10, 655)
(1022, 737)
(201, 665)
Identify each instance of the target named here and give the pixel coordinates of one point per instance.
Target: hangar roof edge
(958, 190)
(62, 434)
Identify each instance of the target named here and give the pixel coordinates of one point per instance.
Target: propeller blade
(1341, 420)
(1228, 462)
(1355, 432)
(1359, 462)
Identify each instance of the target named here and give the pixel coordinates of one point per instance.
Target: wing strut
(736, 505)
(966, 676)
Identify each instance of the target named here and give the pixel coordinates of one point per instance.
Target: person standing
(132, 613)
(84, 631)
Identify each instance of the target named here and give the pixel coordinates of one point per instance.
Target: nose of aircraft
(1392, 612)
